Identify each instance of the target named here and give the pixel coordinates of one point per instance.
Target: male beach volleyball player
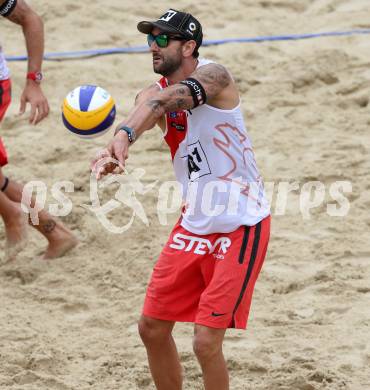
(60, 239)
(207, 270)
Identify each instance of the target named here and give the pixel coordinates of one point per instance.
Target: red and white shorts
(5, 98)
(208, 279)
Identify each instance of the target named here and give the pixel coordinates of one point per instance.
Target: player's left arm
(210, 83)
(18, 12)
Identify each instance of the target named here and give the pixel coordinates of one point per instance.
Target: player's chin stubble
(167, 66)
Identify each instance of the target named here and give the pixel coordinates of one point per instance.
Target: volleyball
(88, 111)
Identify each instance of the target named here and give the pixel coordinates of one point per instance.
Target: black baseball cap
(175, 22)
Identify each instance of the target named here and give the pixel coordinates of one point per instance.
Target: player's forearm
(174, 98)
(146, 114)
(141, 119)
(33, 30)
(138, 120)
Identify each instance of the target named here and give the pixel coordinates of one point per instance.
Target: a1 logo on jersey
(197, 162)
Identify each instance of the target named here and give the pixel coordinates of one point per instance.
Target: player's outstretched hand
(33, 94)
(114, 156)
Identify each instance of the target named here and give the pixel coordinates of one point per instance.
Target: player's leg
(59, 237)
(207, 346)
(230, 274)
(14, 221)
(162, 354)
(230, 277)
(11, 213)
(172, 295)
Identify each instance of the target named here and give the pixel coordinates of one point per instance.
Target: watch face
(35, 76)
(38, 76)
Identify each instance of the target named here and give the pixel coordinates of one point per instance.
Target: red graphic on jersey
(177, 125)
(228, 149)
(3, 155)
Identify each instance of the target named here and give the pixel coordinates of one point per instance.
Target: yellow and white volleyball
(88, 111)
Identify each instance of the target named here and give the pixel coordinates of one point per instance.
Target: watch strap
(35, 76)
(130, 133)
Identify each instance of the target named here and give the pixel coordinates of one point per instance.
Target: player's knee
(153, 331)
(205, 347)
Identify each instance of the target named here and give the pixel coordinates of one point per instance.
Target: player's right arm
(141, 97)
(144, 95)
(18, 12)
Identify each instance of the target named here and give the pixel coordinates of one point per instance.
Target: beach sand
(71, 323)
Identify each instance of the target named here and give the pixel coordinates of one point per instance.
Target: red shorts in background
(5, 98)
(208, 279)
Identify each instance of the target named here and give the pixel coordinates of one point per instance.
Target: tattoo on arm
(213, 77)
(20, 12)
(174, 98)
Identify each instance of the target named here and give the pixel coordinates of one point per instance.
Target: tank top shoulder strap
(162, 83)
(204, 61)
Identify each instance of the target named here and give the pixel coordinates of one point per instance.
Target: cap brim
(146, 27)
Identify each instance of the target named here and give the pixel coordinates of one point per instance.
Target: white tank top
(214, 162)
(4, 70)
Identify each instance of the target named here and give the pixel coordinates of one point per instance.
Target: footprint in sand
(75, 308)
(24, 276)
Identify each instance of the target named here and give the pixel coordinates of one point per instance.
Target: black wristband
(5, 185)
(197, 91)
(7, 8)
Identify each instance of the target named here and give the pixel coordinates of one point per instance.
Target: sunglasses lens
(150, 39)
(162, 40)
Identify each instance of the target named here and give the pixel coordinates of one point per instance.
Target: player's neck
(187, 68)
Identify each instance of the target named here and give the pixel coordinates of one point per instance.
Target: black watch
(130, 132)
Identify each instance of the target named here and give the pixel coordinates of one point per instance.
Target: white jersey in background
(4, 70)
(214, 162)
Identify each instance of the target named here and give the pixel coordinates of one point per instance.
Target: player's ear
(188, 48)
